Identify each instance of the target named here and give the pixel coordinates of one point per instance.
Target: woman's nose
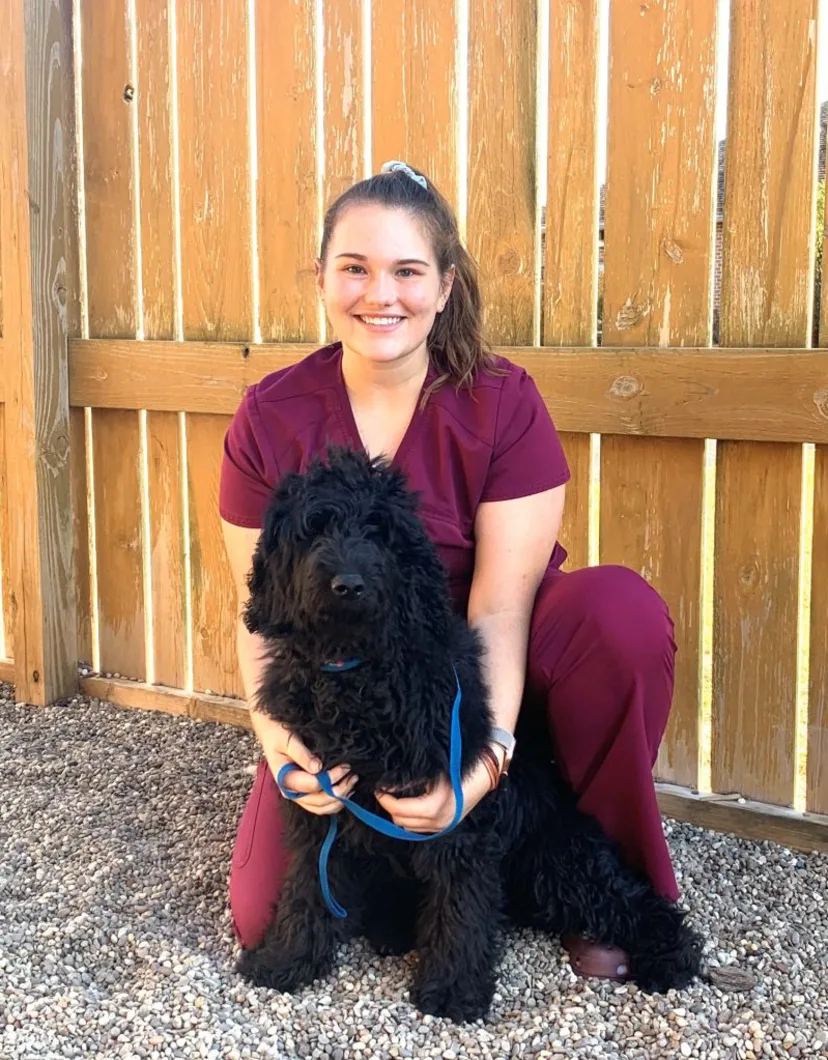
(380, 290)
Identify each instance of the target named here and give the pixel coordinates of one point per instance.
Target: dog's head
(343, 555)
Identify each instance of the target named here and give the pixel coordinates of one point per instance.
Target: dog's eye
(374, 525)
(315, 521)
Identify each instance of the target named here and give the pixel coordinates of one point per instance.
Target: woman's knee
(621, 611)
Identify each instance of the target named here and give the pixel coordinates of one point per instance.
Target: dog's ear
(269, 578)
(426, 599)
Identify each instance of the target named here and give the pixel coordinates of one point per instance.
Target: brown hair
(455, 343)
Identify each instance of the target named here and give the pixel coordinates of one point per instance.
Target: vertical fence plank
(36, 190)
(109, 191)
(215, 182)
(157, 210)
(570, 251)
(343, 105)
(502, 170)
(80, 541)
(5, 581)
(816, 786)
(288, 225)
(6, 648)
(164, 466)
(414, 88)
(816, 799)
(658, 231)
(766, 280)
(343, 99)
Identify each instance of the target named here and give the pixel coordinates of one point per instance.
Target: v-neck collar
(348, 420)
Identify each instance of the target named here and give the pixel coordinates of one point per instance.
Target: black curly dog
(344, 571)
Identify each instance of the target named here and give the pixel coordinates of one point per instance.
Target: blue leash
(379, 824)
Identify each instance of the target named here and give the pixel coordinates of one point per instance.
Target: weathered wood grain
(816, 750)
(343, 99)
(816, 798)
(108, 176)
(160, 301)
(745, 818)
(570, 235)
(36, 190)
(215, 667)
(570, 288)
(288, 192)
(343, 104)
(214, 163)
(110, 194)
(502, 176)
(137, 695)
(766, 395)
(169, 618)
(657, 293)
(414, 89)
(153, 98)
(80, 537)
(216, 181)
(766, 301)
(6, 646)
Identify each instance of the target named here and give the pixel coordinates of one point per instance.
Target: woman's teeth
(381, 321)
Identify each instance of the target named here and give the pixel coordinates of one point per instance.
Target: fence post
(37, 222)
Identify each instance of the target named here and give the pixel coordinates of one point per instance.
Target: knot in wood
(626, 386)
(629, 314)
(821, 402)
(749, 573)
(508, 262)
(673, 251)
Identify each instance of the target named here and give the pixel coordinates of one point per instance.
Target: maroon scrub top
(492, 442)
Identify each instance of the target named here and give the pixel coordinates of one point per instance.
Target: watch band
(507, 742)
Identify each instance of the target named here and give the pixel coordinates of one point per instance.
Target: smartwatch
(507, 741)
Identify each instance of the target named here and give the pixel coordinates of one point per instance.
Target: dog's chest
(360, 723)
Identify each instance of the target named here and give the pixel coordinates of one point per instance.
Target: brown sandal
(591, 959)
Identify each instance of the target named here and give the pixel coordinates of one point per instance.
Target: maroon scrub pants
(601, 659)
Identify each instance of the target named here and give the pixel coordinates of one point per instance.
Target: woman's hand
(434, 810)
(280, 746)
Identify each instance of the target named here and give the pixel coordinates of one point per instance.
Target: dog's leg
(390, 911)
(300, 943)
(459, 932)
(589, 891)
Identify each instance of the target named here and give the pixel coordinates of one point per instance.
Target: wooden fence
(163, 168)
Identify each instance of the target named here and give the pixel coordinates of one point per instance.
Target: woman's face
(381, 285)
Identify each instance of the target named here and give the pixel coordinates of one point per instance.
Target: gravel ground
(116, 829)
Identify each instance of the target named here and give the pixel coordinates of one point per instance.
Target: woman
(411, 377)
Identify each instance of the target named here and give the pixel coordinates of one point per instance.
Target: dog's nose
(347, 584)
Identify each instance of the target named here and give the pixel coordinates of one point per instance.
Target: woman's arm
(279, 745)
(514, 541)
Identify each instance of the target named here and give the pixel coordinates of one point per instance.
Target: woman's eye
(349, 267)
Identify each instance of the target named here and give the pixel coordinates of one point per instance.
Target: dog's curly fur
(523, 855)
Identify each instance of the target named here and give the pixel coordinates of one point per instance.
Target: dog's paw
(391, 938)
(385, 946)
(460, 1000)
(658, 968)
(279, 973)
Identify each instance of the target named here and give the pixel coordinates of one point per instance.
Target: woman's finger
(296, 751)
(313, 797)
